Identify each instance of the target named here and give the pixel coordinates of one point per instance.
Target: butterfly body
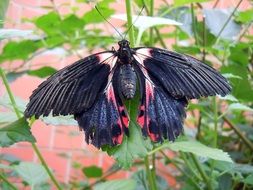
(93, 89)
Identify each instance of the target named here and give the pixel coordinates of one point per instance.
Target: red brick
(18, 89)
(24, 153)
(28, 2)
(85, 160)
(42, 133)
(68, 137)
(32, 12)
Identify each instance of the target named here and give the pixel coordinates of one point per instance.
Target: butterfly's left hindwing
(107, 121)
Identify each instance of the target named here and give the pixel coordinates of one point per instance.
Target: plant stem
(34, 146)
(9, 183)
(130, 22)
(189, 165)
(181, 170)
(240, 134)
(194, 24)
(151, 13)
(215, 120)
(14, 105)
(150, 179)
(201, 171)
(156, 30)
(153, 170)
(226, 23)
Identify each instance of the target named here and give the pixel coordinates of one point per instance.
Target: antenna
(108, 22)
(134, 21)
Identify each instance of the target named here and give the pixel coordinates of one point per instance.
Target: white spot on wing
(108, 58)
(144, 51)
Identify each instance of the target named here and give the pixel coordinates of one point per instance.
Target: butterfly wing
(160, 115)
(107, 121)
(74, 88)
(85, 89)
(181, 75)
(167, 80)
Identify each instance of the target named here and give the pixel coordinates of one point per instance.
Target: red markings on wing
(123, 121)
(144, 117)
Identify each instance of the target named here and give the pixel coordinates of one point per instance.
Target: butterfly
(93, 89)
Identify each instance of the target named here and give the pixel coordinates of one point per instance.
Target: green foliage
(221, 40)
(245, 16)
(198, 149)
(128, 151)
(94, 17)
(15, 132)
(42, 72)
(92, 172)
(126, 184)
(33, 174)
(18, 50)
(3, 7)
(184, 2)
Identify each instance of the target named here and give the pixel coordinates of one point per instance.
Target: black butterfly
(93, 90)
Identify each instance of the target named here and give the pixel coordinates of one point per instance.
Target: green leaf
(145, 22)
(42, 72)
(199, 149)
(7, 117)
(239, 107)
(184, 2)
(33, 174)
(245, 16)
(3, 8)
(59, 120)
(233, 167)
(5, 102)
(131, 148)
(245, 93)
(16, 132)
(249, 179)
(225, 182)
(215, 20)
(228, 97)
(94, 17)
(239, 53)
(12, 76)
(49, 23)
(18, 50)
(141, 180)
(71, 24)
(92, 171)
(134, 146)
(125, 184)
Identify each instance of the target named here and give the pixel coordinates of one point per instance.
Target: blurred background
(33, 49)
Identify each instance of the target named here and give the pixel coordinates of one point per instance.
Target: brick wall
(61, 146)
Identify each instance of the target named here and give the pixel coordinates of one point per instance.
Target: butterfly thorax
(128, 76)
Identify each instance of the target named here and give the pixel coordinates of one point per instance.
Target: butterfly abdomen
(127, 81)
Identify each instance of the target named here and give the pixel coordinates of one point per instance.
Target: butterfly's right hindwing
(72, 89)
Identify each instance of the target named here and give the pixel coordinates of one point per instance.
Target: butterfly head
(124, 44)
